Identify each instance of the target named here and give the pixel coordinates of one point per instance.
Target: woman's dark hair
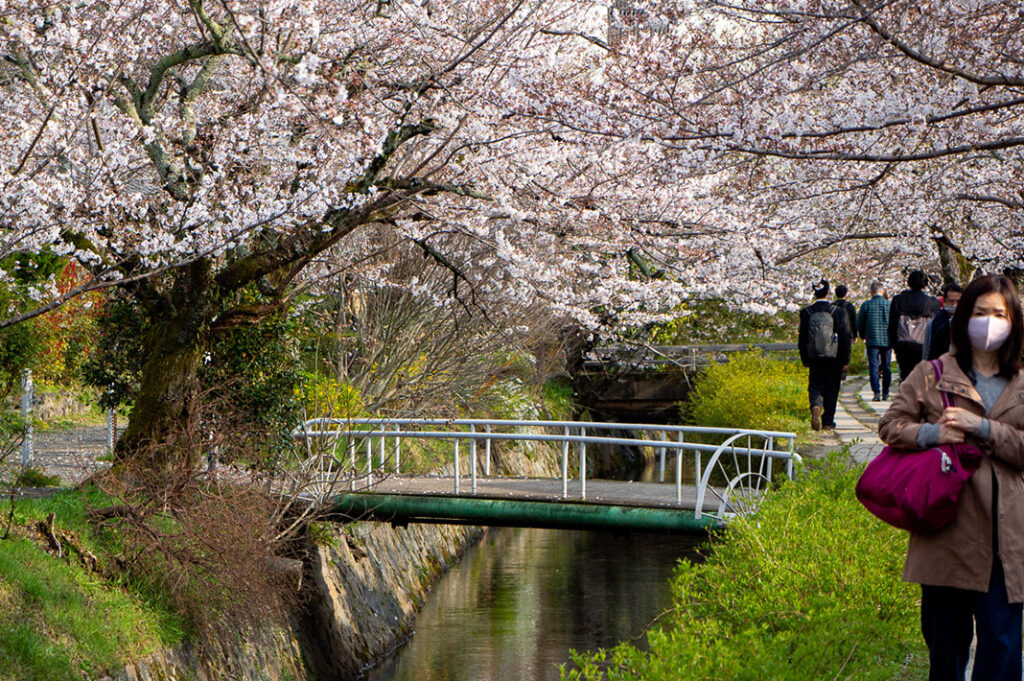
(1009, 353)
(841, 291)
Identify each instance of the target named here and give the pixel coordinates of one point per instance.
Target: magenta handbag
(918, 490)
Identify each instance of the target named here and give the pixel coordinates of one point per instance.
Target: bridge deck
(603, 492)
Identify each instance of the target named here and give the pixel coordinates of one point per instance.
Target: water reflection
(516, 604)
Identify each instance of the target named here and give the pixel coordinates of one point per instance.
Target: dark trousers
(823, 387)
(878, 363)
(908, 355)
(948, 620)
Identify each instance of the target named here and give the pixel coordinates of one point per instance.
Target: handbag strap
(947, 399)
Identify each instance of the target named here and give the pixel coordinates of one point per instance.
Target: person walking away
(824, 343)
(909, 313)
(971, 571)
(936, 336)
(873, 327)
(849, 308)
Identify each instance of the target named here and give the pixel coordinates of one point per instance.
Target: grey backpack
(822, 339)
(911, 329)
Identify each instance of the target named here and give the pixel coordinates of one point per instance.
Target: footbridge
(354, 472)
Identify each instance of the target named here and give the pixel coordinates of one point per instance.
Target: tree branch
(922, 58)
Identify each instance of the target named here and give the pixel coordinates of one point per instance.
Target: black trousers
(908, 356)
(948, 620)
(823, 381)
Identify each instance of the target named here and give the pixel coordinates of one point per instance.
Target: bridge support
(403, 509)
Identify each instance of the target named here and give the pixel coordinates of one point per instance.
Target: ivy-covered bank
(810, 588)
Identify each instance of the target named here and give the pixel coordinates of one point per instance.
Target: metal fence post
(456, 441)
(487, 453)
(679, 469)
(352, 461)
(381, 447)
(369, 461)
(661, 464)
(472, 457)
(565, 465)
(398, 448)
(27, 397)
(583, 465)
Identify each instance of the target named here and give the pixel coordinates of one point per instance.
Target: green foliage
(33, 477)
(62, 620)
(116, 367)
(717, 321)
(253, 375)
(19, 344)
(751, 391)
(558, 398)
(326, 396)
(511, 399)
(808, 589)
(323, 534)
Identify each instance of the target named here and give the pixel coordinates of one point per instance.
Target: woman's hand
(949, 435)
(961, 419)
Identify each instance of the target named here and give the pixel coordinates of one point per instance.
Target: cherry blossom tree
(212, 158)
(190, 150)
(798, 137)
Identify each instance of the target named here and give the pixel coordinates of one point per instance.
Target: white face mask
(987, 334)
(950, 308)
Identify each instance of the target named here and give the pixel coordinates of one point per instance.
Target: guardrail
(736, 473)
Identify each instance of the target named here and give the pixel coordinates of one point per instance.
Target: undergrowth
(808, 589)
(73, 616)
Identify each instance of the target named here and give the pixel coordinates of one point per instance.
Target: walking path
(857, 419)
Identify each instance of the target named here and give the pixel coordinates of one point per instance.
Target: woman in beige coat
(972, 571)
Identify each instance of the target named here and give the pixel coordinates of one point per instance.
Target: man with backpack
(824, 343)
(909, 314)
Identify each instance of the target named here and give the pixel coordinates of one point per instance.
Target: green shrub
(33, 477)
(751, 391)
(808, 589)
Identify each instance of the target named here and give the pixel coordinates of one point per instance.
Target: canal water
(522, 598)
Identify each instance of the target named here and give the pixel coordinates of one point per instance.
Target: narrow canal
(522, 598)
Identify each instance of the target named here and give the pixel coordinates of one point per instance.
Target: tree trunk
(163, 428)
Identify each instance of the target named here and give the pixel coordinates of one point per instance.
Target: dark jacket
(851, 315)
(937, 342)
(913, 303)
(961, 553)
(873, 322)
(839, 326)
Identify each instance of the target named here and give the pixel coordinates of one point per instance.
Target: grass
(808, 589)
(63, 620)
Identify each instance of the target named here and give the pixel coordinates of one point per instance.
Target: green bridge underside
(562, 515)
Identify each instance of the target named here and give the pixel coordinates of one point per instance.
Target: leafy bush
(19, 344)
(808, 589)
(328, 397)
(751, 391)
(33, 477)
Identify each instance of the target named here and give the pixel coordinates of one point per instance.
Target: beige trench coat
(960, 554)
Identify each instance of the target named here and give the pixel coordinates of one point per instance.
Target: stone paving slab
(857, 423)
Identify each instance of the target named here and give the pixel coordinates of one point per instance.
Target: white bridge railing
(736, 473)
